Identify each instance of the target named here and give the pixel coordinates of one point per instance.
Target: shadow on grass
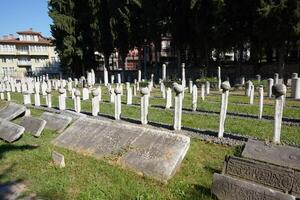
(4, 148)
(197, 191)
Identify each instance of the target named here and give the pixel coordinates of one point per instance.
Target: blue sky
(19, 15)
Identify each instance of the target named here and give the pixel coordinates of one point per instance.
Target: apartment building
(28, 54)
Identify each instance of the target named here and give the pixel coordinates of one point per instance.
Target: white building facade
(29, 54)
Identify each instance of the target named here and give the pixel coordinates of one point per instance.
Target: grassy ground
(29, 159)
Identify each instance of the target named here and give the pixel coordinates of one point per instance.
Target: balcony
(22, 52)
(24, 63)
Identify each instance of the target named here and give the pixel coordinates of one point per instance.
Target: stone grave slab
(10, 131)
(150, 152)
(286, 156)
(72, 114)
(56, 122)
(33, 125)
(11, 111)
(273, 176)
(228, 188)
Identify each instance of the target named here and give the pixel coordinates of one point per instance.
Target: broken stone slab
(33, 125)
(72, 114)
(12, 190)
(228, 188)
(11, 111)
(58, 159)
(9, 131)
(150, 152)
(56, 122)
(276, 177)
(286, 156)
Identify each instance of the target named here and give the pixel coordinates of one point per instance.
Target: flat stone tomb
(11, 111)
(273, 176)
(9, 131)
(33, 125)
(286, 156)
(73, 115)
(56, 122)
(153, 153)
(229, 188)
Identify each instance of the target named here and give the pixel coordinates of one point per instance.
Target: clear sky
(19, 15)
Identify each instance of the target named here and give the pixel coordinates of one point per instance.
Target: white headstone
(178, 106)
(144, 105)
(251, 99)
(85, 94)
(164, 72)
(225, 86)
(61, 99)
(129, 96)
(77, 102)
(194, 98)
(168, 98)
(118, 104)
(260, 101)
(270, 85)
(95, 102)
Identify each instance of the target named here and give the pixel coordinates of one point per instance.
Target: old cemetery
(211, 138)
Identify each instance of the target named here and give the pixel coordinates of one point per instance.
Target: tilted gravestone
(286, 156)
(265, 171)
(33, 125)
(148, 151)
(228, 188)
(11, 111)
(9, 131)
(56, 122)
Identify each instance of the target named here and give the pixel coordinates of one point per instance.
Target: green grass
(84, 177)
(29, 159)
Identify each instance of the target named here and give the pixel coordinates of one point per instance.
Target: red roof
(13, 40)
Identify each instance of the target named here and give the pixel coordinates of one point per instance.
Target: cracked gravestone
(11, 111)
(56, 122)
(148, 151)
(33, 125)
(9, 131)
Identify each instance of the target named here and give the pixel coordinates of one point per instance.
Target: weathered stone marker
(95, 102)
(26, 98)
(77, 102)
(224, 102)
(276, 78)
(270, 85)
(148, 151)
(144, 105)
(251, 99)
(269, 175)
(178, 106)
(117, 103)
(11, 111)
(49, 98)
(279, 90)
(139, 76)
(295, 87)
(207, 88)
(190, 86)
(9, 131)
(260, 101)
(183, 80)
(219, 78)
(202, 92)
(33, 125)
(85, 94)
(164, 72)
(194, 98)
(129, 96)
(56, 122)
(62, 99)
(228, 188)
(248, 88)
(168, 98)
(58, 159)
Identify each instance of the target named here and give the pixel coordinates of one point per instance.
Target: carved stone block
(286, 156)
(276, 177)
(228, 188)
